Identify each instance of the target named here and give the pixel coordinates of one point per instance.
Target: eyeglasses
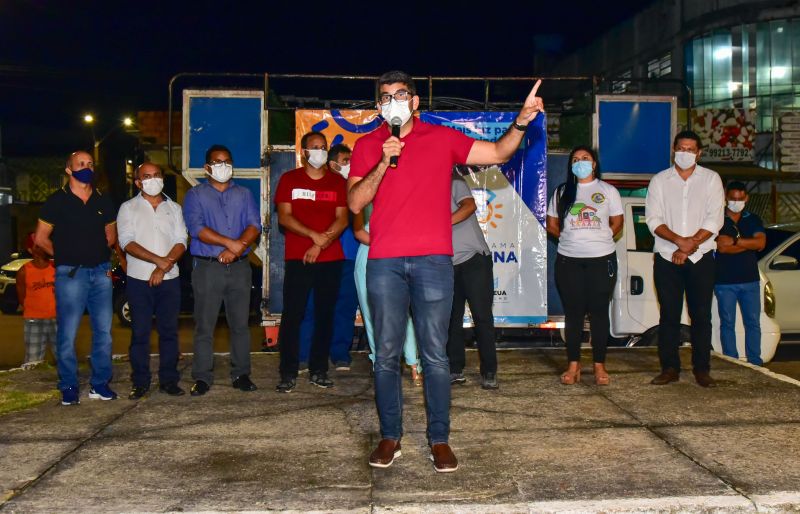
(401, 96)
(213, 163)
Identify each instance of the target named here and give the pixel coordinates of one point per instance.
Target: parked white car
(779, 262)
(634, 307)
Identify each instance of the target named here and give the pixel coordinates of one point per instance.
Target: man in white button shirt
(153, 234)
(685, 210)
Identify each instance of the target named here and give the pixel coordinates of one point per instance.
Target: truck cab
(634, 306)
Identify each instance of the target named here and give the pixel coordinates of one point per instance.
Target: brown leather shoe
(666, 376)
(385, 453)
(444, 460)
(703, 379)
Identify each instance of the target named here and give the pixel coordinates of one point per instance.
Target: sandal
(571, 377)
(416, 376)
(601, 377)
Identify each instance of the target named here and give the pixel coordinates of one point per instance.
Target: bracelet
(519, 127)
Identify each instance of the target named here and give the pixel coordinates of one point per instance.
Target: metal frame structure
(267, 148)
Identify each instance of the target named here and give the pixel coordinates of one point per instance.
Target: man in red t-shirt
(411, 244)
(312, 209)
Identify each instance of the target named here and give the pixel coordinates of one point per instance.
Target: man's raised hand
(532, 106)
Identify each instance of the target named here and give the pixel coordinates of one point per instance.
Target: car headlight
(769, 299)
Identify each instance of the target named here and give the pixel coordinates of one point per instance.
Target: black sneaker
(137, 392)
(489, 381)
(243, 383)
(199, 388)
(171, 388)
(286, 385)
(321, 380)
(457, 378)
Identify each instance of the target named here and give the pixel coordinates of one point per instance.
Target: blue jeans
(344, 318)
(748, 295)
(88, 288)
(163, 301)
(425, 284)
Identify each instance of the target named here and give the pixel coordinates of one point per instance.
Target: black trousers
(298, 281)
(474, 283)
(585, 285)
(696, 280)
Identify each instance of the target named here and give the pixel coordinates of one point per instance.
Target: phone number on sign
(729, 153)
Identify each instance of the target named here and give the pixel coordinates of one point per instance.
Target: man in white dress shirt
(153, 235)
(685, 210)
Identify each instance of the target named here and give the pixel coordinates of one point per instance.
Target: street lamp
(127, 122)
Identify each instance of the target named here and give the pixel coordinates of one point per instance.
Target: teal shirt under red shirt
(411, 215)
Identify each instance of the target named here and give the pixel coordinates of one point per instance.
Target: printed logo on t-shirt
(314, 196)
(598, 198)
(584, 217)
(304, 194)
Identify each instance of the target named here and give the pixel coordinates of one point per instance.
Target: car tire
(123, 310)
(650, 336)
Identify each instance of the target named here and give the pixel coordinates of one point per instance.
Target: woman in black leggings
(585, 214)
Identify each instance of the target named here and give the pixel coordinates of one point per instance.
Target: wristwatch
(517, 126)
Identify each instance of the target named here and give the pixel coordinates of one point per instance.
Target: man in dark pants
(344, 315)
(684, 211)
(312, 209)
(473, 282)
(223, 221)
(153, 235)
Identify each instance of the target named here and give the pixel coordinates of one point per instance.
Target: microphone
(395, 123)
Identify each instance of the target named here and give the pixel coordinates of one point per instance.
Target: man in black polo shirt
(76, 226)
(737, 279)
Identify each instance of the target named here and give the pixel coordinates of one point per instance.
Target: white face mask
(317, 157)
(685, 160)
(221, 172)
(153, 186)
(344, 170)
(736, 205)
(396, 109)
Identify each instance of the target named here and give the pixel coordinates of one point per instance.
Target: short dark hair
(217, 148)
(395, 77)
(336, 150)
(736, 185)
(687, 134)
(309, 135)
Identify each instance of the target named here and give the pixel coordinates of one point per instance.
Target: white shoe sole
(96, 396)
(448, 470)
(398, 453)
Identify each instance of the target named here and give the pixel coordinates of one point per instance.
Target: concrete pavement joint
(31, 483)
(675, 448)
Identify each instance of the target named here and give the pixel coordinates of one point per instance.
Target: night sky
(59, 59)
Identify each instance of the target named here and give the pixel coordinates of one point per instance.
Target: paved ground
(533, 446)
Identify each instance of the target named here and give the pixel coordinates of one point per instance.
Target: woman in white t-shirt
(585, 214)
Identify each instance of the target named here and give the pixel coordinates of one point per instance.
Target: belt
(216, 259)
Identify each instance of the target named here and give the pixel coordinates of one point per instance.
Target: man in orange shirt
(36, 293)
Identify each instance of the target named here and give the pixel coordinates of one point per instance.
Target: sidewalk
(532, 446)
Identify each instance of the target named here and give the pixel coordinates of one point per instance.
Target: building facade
(730, 53)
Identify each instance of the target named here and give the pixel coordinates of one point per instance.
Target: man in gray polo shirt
(474, 282)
